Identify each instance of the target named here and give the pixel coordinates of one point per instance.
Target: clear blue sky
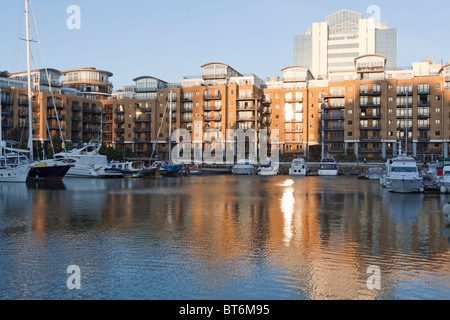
(172, 39)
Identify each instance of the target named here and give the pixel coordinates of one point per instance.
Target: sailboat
(47, 169)
(11, 169)
(170, 169)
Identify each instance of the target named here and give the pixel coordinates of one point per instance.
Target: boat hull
(244, 170)
(16, 174)
(404, 185)
(48, 172)
(329, 173)
(82, 172)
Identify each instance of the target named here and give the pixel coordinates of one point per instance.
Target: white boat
(11, 170)
(269, 170)
(374, 173)
(328, 167)
(299, 167)
(402, 176)
(244, 168)
(86, 162)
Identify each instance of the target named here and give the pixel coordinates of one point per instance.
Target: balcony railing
(212, 108)
(370, 127)
(142, 120)
(212, 118)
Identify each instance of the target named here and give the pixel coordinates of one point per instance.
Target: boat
(45, 169)
(169, 169)
(374, 173)
(86, 161)
(191, 170)
(128, 168)
(402, 175)
(268, 169)
(328, 167)
(244, 167)
(11, 170)
(299, 167)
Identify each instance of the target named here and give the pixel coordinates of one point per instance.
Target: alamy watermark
(212, 147)
(374, 12)
(74, 281)
(73, 22)
(374, 280)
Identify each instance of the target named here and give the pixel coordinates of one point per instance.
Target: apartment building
(370, 113)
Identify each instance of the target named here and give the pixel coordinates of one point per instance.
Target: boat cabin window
(404, 169)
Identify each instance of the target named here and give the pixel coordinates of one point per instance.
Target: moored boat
(328, 167)
(299, 167)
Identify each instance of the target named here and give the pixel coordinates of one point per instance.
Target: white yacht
(328, 167)
(269, 169)
(86, 161)
(402, 176)
(244, 168)
(12, 169)
(299, 167)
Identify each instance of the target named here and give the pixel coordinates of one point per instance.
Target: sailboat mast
(30, 110)
(170, 127)
(1, 137)
(407, 105)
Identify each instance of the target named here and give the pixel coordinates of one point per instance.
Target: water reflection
(222, 237)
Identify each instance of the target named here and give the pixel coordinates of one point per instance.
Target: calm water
(221, 237)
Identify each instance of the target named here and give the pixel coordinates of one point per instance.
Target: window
(390, 134)
(438, 121)
(438, 85)
(391, 87)
(350, 123)
(350, 111)
(391, 99)
(350, 88)
(350, 134)
(350, 100)
(438, 98)
(231, 92)
(391, 122)
(312, 106)
(391, 111)
(438, 110)
(438, 133)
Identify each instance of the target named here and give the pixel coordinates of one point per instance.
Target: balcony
(212, 108)
(337, 128)
(404, 93)
(119, 111)
(212, 117)
(217, 96)
(423, 127)
(143, 140)
(334, 139)
(293, 130)
(370, 93)
(370, 127)
(335, 106)
(423, 116)
(76, 108)
(211, 76)
(424, 139)
(294, 100)
(8, 112)
(119, 120)
(369, 105)
(370, 116)
(186, 120)
(76, 129)
(143, 130)
(370, 139)
(340, 116)
(410, 129)
(142, 120)
(189, 98)
(185, 110)
(92, 110)
(246, 97)
(119, 130)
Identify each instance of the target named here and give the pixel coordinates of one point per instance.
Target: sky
(172, 39)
